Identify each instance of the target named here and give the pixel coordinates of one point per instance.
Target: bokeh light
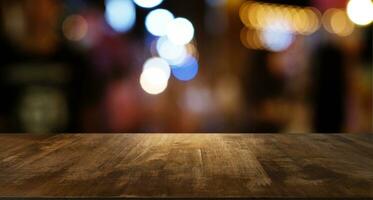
(158, 63)
(180, 31)
(336, 21)
(313, 16)
(174, 54)
(360, 11)
(259, 16)
(120, 14)
(157, 20)
(299, 24)
(187, 70)
(153, 80)
(148, 3)
(277, 40)
(75, 27)
(250, 39)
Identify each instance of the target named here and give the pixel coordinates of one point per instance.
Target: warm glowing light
(313, 16)
(153, 81)
(244, 14)
(157, 20)
(187, 70)
(180, 31)
(248, 15)
(250, 39)
(174, 54)
(160, 64)
(336, 21)
(299, 24)
(148, 3)
(360, 11)
(120, 14)
(75, 27)
(245, 40)
(260, 16)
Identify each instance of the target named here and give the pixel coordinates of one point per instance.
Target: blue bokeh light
(187, 70)
(120, 14)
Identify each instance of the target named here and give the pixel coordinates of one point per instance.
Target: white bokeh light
(174, 54)
(277, 36)
(120, 14)
(160, 64)
(153, 81)
(277, 40)
(157, 20)
(360, 11)
(148, 3)
(180, 31)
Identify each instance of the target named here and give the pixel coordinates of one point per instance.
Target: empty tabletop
(187, 165)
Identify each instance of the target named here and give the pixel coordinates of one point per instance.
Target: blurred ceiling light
(75, 27)
(336, 21)
(157, 20)
(260, 16)
(174, 54)
(180, 31)
(160, 64)
(360, 11)
(187, 70)
(120, 14)
(153, 80)
(148, 3)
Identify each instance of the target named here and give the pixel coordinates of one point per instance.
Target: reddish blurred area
(263, 66)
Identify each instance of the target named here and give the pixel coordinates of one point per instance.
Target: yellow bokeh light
(314, 16)
(250, 39)
(299, 24)
(340, 24)
(244, 14)
(253, 13)
(336, 21)
(257, 43)
(261, 15)
(296, 19)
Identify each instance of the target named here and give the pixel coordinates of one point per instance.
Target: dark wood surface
(186, 165)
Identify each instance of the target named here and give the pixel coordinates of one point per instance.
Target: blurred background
(186, 66)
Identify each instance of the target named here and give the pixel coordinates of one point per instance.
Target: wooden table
(187, 165)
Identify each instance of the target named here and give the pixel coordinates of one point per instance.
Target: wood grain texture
(186, 165)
